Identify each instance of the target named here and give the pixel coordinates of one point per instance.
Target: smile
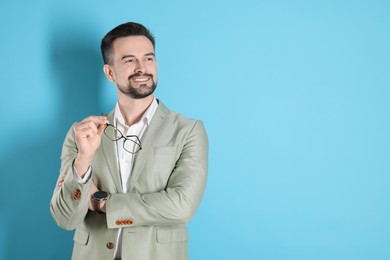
(140, 79)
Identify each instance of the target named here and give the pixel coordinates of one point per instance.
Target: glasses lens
(112, 133)
(132, 144)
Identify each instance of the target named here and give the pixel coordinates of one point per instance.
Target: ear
(109, 73)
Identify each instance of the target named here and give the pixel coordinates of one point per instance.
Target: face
(133, 67)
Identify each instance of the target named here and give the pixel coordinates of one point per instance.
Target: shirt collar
(146, 117)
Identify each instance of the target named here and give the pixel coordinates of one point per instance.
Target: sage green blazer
(165, 189)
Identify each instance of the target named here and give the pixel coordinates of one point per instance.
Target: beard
(140, 92)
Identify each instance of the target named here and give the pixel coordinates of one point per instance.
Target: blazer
(164, 191)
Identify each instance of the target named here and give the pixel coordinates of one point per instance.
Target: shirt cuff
(86, 177)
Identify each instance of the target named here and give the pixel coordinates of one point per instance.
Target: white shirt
(125, 159)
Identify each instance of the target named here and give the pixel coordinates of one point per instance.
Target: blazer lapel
(110, 155)
(148, 139)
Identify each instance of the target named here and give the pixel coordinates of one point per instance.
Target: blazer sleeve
(69, 203)
(178, 202)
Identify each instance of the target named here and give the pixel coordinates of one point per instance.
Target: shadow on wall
(29, 176)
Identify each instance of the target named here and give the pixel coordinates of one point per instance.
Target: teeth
(140, 79)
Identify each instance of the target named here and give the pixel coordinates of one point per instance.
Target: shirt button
(110, 245)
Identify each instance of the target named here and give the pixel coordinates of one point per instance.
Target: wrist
(100, 198)
(81, 165)
(102, 206)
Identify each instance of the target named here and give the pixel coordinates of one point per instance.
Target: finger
(60, 181)
(100, 129)
(96, 119)
(85, 126)
(86, 132)
(92, 124)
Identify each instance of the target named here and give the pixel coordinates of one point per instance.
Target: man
(131, 180)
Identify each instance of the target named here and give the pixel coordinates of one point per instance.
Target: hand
(103, 206)
(88, 134)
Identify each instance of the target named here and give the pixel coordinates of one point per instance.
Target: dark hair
(123, 30)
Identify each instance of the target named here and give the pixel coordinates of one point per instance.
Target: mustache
(139, 74)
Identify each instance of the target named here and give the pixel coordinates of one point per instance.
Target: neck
(133, 109)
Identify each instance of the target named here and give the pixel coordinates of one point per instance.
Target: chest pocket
(165, 158)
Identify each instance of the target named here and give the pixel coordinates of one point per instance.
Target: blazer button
(77, 194)
(110, 245)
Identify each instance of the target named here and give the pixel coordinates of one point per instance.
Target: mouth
(140, 78)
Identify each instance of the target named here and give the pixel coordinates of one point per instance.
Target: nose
(140, 68)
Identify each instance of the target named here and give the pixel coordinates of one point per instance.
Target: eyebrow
(132, 56)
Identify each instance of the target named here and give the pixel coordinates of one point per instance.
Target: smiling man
(131, 180)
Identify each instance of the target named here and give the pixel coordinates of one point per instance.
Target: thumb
(101, 128)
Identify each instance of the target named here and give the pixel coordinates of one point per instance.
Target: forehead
(132, 45)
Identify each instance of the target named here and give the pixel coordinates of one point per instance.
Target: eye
(129, 60)
(149, 58)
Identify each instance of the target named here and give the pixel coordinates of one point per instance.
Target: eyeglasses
(131, 144)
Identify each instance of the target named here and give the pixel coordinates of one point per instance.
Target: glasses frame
(127, 138)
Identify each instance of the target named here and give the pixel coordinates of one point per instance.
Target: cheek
(122, 75)
(155, 76)
(153, 70)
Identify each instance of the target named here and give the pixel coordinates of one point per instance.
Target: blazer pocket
(81, 236)
(172, 234)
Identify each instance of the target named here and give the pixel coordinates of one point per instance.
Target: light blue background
(295, 96)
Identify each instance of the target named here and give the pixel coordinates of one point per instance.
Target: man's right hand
(88, 134)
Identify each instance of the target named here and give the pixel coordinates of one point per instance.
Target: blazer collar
(111, 157)
(151, 134)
